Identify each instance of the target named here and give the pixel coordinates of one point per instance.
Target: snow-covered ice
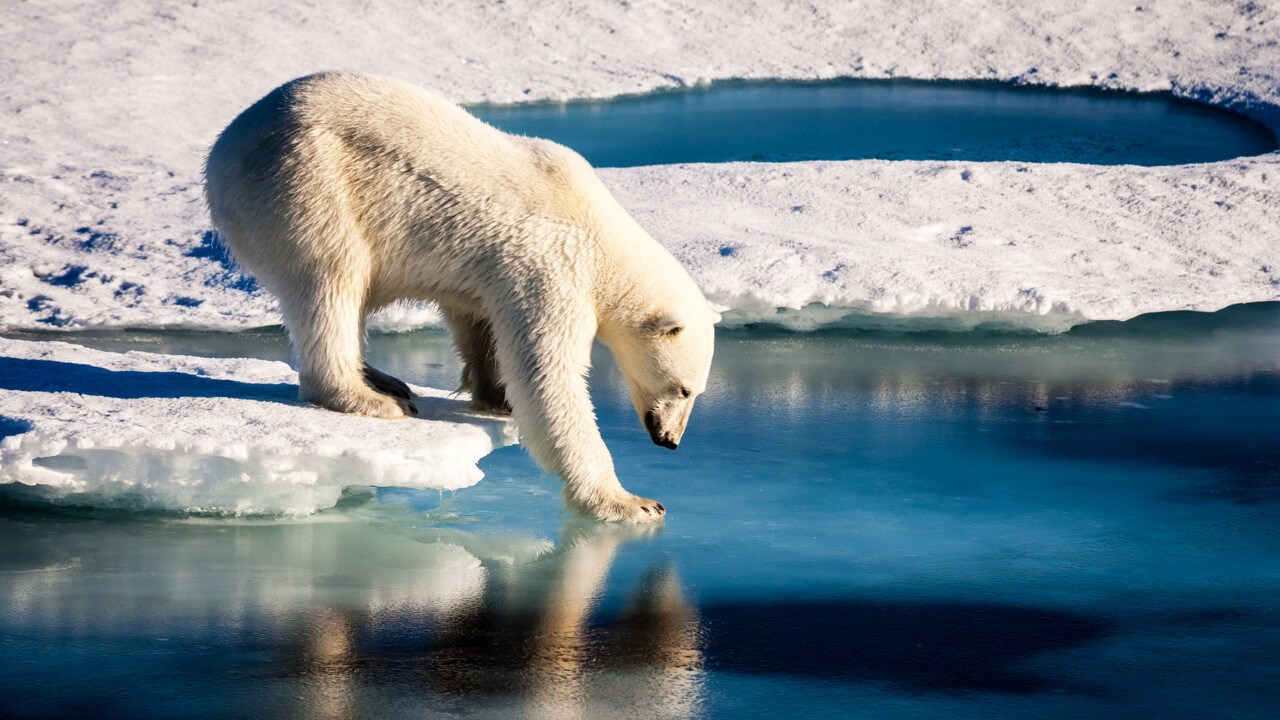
(108, 114)
(220, 436)
(1029, 245)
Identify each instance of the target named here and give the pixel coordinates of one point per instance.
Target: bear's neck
(636, 279)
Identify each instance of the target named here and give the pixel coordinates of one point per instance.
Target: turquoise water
(888, 119)
(860, 524)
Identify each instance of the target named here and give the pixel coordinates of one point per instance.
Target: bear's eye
(662, 325)
(685, 392)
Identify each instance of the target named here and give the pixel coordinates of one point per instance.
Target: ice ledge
(804, 245)
(955, 244)
(221, 436)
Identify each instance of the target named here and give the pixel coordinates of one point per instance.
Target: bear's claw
(387, 384)
(628, 509)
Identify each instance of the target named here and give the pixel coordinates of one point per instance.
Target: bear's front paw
(627, 508)
(490, 408)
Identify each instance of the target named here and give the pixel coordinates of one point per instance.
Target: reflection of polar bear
(534, 642)
(343, 193)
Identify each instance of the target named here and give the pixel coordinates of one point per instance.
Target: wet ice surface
(860, 524)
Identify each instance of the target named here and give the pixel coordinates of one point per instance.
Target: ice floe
(108, 117)
(954, 245)
(210, 435)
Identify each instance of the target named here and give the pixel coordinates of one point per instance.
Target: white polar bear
(343, 193)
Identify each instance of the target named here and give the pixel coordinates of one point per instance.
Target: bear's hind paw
(387, 384)
(370, 404)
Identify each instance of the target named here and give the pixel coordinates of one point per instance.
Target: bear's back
(408, 167)
(375, 120)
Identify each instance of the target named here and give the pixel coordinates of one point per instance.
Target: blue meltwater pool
(861, 525)
(888, 119)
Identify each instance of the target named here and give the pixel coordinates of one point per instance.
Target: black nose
(655, 432)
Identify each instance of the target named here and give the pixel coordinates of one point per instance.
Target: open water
(860, 525)
(891, 120)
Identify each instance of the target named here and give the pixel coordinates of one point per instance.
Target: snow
(108, 114)
(1013, 244)
(211, 436)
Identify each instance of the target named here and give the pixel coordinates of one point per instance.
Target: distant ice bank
(102, 223)
(141, 431)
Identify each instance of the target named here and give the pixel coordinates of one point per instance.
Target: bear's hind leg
(473, 336)
(326, 326)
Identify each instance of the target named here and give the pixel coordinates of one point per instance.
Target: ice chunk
(210, 435)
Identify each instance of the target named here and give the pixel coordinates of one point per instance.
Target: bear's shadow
(57, 376)
(34, 375)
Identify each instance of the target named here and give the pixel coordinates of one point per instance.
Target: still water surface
(891, 120)
(861, 524)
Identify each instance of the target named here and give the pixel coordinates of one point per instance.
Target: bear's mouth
(655, 432)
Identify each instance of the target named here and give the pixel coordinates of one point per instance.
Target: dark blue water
(861, 524)
(888, 119)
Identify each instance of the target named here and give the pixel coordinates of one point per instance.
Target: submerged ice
(212, 436)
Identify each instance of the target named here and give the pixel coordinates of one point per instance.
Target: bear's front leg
(544, 361)
(569, 444)
(487, 393)
(473, 337)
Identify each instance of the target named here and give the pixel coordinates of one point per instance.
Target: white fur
(343, 193)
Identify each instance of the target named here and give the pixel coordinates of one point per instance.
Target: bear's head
(666, 358)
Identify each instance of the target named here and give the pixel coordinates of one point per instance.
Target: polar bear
(343, 193)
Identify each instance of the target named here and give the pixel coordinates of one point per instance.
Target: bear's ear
(663, 325)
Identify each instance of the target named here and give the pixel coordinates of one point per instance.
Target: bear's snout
(655, 431)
